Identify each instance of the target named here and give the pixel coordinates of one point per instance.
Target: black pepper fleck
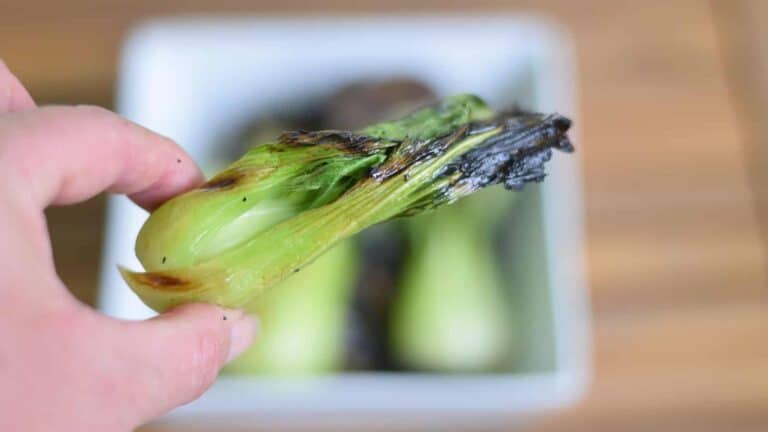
(224, 318)
(178, 160)
(163, 260)
(245, 199)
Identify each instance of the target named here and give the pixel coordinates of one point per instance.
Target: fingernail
(241, 335)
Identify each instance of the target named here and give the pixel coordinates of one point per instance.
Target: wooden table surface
(673, 95)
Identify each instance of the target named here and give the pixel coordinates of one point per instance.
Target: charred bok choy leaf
(283, 204)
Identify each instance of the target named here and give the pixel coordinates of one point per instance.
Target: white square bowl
(198, 79)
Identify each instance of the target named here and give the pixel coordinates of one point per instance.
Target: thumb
(183, 350)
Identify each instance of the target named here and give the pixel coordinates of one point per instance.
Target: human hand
(63, 366)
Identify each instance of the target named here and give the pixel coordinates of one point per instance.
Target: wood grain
(677, 267)
(745, 47)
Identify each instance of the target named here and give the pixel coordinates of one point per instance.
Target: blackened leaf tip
(562, 123)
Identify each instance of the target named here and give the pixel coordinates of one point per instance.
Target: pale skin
(64, 366)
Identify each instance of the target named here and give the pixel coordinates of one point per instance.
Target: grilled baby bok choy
(452, 312)
(303, 319)
(283, 204)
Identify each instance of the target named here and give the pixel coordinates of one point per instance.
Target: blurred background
(672, 98)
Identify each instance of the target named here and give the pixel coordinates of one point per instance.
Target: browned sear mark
(413, 151)
(342, 140)
(225, 180)
(162, 281)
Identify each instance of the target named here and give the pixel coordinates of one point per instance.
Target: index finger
(63, 155)
(13, 95)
